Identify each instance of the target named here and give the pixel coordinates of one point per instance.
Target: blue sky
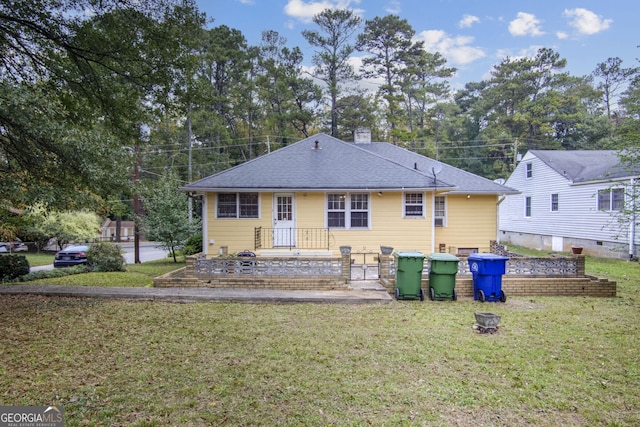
(472, 34)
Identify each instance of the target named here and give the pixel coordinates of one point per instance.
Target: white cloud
(585, 21)
(393, 8)
(525, 24)
(562, 35)
(305, 10)
(468, 20)
(455, 49)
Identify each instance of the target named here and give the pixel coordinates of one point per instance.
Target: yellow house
(321, 193)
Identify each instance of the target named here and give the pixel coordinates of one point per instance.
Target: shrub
(12, 266)
(104, 257)
(193, 245)
(48, 274)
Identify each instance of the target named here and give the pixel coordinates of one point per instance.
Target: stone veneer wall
(512, 285)
(187, 277)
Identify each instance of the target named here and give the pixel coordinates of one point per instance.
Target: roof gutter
(309, 190)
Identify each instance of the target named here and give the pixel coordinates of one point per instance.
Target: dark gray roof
(586, 165)
(463, 181)
(337, 165)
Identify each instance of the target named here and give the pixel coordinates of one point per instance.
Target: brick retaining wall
(512, 285)
(587, 286)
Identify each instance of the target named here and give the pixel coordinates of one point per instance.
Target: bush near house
(105, 257)
(12, 266)
(193, 245)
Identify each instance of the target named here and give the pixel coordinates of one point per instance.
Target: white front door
(284, 220)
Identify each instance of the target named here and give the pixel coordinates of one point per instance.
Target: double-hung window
(555, 203)
(336, 210)
(440, 211)
(611, 199)
(348, 210)
(527, 207)
(414, 205)
(529, 170)
(359, 210)
(238, 205)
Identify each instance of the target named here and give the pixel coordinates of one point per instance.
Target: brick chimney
(362, 136)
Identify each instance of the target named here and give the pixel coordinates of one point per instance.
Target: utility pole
(137, 212)
(190, 171)
(515, 154)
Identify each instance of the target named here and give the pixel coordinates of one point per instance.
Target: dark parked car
(71, 255)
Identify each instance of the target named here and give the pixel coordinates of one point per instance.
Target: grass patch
(137, 275)
(157, 267)
(38, 259)
(554, 361)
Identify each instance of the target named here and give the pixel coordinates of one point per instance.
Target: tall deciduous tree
(63, 226)
(337, 28)
(86, 74)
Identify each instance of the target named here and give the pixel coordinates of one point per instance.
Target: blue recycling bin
(487, 271)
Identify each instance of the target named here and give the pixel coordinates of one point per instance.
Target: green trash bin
(409, 266)
(442, 276)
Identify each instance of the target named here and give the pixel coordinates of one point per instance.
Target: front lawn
(554, 361)
(38, 259)
(137, 275)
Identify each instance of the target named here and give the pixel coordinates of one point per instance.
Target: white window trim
(347, 210)
(611, 199)
(237, 217)
(551, 202)
(404, 205)
(528, 167)
(446, 210)
(530, 206)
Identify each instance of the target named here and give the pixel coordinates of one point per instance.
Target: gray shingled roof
(463, 181)
(585, 165)
(339, 165)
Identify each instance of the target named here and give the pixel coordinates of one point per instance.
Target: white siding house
(571, 199)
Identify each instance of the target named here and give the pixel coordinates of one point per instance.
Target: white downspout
(500, 200)
(205, 226)
(433, 221)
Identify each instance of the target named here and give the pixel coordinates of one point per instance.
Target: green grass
(38, 259)
(553, 361)
(137, 275)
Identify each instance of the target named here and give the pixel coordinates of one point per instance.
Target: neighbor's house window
(348, 210)
(529, 170)
(527, 206)
(611, 199)
(238, 205)
(413, 205)
(440, 211)
(554, 203)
